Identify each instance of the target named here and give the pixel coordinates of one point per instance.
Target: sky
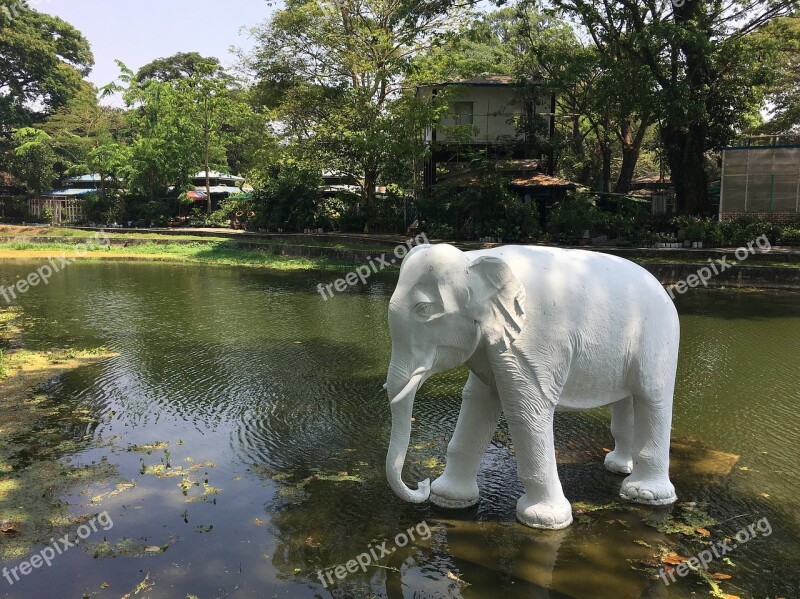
(139, 32)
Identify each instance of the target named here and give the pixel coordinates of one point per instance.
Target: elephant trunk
(402, 404)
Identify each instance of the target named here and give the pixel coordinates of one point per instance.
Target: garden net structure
(762, 176)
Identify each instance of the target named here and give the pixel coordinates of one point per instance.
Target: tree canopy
(43, 63)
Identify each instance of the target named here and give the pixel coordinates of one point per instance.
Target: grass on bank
(222, 253)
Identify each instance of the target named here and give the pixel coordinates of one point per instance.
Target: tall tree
(333, 69)
(707, 77)
(87, 137)
(184, 65)
(783, 94)
(43, 61)
(181, 125)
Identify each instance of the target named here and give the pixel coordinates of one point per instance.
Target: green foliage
(781, 38)
(44, 60)
(34, 160)
(486, 208)
(573, 216)
(332, 73)
(183, 65)
(790, 235)
(104, 209)
(737, 233)
(701, 67)
(729, 233)
(288, 199)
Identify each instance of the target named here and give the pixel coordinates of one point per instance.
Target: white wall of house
(494, 113)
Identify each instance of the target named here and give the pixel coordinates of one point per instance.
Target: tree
(86, 136)
(333, 71)
(706, 70)
(33, 159)
(184, 65)
(783, 94)
(43, 60)
(180, 125)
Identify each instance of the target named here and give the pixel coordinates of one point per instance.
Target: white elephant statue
(540, 328)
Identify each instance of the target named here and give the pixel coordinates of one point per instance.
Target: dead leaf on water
(455, 578)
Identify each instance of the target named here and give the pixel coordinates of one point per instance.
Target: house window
(463, 113)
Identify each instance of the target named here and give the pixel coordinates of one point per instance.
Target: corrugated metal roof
(67, 193)
(217, 175)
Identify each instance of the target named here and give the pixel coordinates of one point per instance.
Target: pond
(247, 418)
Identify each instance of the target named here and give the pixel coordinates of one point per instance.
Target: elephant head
(444, 306)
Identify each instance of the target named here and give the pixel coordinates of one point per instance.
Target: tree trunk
(578, 151)
(630, 156)
(686, 157)
(631, 149)
(208, 176)
(606, 167)
(370, 179)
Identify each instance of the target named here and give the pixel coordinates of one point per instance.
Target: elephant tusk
(412, 384)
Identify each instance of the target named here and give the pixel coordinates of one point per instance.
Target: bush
(574, 215)
(737, 233)
(790, 235)
(288, 199)
(488, 209)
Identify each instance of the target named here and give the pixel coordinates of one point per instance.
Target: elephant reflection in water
(540, 329)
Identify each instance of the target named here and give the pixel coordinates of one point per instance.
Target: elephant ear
(497, 299)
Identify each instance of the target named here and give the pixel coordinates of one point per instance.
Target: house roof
(542, 180)
(539, 180)
(485, 80)
(217, 175)
(93, 178)
(70, 192)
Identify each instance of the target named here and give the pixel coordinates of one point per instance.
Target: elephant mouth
(416, 380)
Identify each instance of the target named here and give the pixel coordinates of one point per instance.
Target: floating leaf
(673, 559)
(455, 578)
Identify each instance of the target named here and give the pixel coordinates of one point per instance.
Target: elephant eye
(424, 309)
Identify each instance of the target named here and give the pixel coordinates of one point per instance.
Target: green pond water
(276, 395)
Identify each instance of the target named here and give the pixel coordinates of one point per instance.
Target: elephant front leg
(543, 505)
(457, 487)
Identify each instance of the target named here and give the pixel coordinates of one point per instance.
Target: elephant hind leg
(620, 461)
(457, 487)
(649, 482)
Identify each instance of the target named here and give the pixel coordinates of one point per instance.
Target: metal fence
(760, 179)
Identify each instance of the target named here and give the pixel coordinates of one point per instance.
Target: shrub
(790, 235)
(574, 215)
(485, 209)
(288, 198)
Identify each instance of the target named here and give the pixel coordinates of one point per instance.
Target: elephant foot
(549, 515)
(618, 464)
(452, 497)
(648, 492)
